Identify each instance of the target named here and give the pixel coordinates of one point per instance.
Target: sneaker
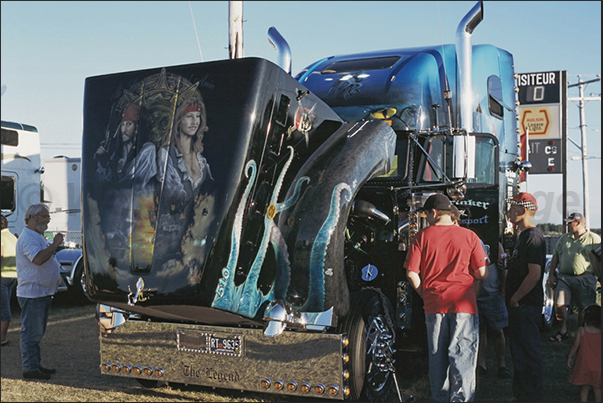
(504, 373)
(35, 375)
(482, 371)
(47, 370)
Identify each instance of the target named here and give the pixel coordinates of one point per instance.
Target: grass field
(71, 346)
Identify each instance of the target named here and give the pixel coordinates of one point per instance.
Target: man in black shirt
(524, 296)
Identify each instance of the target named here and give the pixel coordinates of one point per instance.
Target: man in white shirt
(38, 278)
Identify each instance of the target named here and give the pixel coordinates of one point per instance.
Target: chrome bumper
(312, 365)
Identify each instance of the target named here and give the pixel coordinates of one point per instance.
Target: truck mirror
(463, 147)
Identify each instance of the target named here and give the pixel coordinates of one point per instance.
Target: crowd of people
(466, 297)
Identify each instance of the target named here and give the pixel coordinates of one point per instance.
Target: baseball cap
(575, 217)
(436, 201)
(525, 199)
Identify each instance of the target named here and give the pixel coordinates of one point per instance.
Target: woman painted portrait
(185, 176)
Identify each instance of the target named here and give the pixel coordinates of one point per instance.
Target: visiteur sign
(541, 115)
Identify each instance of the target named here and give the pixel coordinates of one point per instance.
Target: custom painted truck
(252, 236)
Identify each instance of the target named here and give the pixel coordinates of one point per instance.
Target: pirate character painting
(186, 175)
(151, 171)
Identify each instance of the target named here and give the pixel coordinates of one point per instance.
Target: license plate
(210, 343)
(224, 345)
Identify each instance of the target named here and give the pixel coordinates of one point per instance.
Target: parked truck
(23, 177)
(253, 236)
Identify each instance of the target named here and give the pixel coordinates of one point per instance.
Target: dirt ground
(71, 346)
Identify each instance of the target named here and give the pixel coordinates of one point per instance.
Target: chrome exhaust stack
(464, 147)
(464, 58)
(282, 47)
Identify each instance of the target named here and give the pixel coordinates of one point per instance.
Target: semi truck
(252, 236)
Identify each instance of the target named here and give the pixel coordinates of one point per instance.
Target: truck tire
(79, 283)
(367, 327)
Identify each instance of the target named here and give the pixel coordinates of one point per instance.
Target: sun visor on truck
(170, 157)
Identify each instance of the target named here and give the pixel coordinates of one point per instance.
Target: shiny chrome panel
(464, 56)
(109, 318)
(279, 315)
(142, 345)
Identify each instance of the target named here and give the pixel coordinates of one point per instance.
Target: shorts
(492, 312)
(579, 291)
(8, 284)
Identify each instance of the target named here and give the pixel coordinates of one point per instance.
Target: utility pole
(581, 104)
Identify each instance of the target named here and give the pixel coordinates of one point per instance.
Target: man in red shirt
(445, 265)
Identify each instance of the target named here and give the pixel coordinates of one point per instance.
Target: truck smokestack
(464, 58)
(282, 47)
(235, 29)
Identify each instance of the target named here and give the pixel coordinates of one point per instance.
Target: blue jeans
(453, 340)
(7, 289)
(34, 317)
(524, 338)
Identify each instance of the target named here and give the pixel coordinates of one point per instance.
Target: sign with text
(539, 88)
(542, 114)
(546, 156)
(540, 121)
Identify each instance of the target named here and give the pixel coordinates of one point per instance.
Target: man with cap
(445, 264)
(524, 296)
(576, 281)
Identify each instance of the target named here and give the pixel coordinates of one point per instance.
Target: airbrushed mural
(198, 182)
(148, 183)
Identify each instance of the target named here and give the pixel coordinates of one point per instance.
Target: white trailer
(61, 192)
(21, 172)
(22, 184)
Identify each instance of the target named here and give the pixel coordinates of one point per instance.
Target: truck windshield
(429, 172)
(399, 170)
(439, 149)
(485, 161)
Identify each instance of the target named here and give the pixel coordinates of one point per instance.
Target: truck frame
(280, 269)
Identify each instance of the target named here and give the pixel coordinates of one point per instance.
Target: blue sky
(49, 48)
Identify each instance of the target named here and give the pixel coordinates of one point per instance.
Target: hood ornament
(139, 293)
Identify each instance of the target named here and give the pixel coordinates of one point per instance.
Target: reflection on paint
(143, 233)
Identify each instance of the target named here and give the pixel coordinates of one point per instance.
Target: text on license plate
(202, 342)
